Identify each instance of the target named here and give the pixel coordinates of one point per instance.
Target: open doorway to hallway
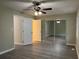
(36, 31)
(54, 31)
(54, 28)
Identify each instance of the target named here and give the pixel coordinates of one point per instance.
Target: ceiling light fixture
(58, 21)
(36, 13)
(40, 13)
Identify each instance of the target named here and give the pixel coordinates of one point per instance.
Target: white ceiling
(59, 7)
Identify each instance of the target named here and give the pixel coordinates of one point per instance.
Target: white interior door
(27, 31)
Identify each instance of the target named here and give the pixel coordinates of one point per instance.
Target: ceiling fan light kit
(58, 21)
(37, 13)
(40, 13)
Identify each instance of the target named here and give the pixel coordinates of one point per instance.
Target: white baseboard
(6, 51)
(70, 44)
(18, 43)
(28, 43)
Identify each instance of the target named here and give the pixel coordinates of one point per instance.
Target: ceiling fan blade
(29, 8)
(21, 0)
(47, 9)
(43, 12)
(45, 1)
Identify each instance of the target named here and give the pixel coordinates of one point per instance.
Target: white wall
(6, 29)
(46, 29)
(17, 30)
(71, 30)
(77, 34)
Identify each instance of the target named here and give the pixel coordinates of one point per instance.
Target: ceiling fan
(36, 7)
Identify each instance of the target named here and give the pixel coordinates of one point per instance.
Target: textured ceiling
(58, 6)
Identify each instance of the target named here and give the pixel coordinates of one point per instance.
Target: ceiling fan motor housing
(36, 3)
(37, 8)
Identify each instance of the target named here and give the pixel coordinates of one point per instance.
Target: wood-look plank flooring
(47, 49)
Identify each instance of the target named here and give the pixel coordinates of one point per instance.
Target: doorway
(57, 28)
(22, 30)
(26, 30)
(54, 28)
(36, 31)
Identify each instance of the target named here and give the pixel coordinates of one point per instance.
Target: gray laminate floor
(47, 49)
